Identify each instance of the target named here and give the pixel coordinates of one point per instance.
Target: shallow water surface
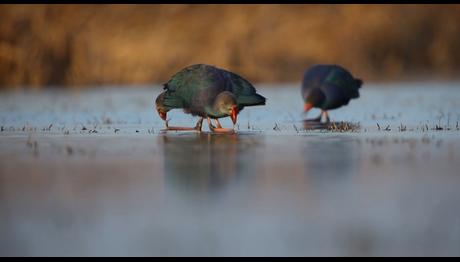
(90, 173)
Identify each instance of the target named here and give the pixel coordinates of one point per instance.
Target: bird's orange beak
(162, 115)
(234, 113)
(307, 107)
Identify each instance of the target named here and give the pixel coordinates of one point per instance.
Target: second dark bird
(328, 87)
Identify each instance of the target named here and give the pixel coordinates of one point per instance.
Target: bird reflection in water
(330, 160)
(199, 164)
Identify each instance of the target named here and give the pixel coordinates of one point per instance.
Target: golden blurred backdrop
(90, 45)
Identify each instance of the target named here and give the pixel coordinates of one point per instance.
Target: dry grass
(343, 127)
(83, 45)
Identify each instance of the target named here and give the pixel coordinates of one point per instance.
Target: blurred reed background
(88, 45)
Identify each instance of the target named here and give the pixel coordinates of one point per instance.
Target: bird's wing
(245, 92)
(344, 80)
(335, 96)
(182, 86)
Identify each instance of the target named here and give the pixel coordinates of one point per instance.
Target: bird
(328, 87)
(208, 92)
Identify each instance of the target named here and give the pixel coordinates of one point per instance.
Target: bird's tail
(251, 100)
(355, 93)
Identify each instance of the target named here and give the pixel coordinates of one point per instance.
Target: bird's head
(161, 109)
(316, 98)
(226, 104)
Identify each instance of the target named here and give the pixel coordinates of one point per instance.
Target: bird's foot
(180, 128)
(328, 120)
(219, 129)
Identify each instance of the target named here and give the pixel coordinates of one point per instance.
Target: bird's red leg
(211, 127)
(179, 128)
(327, 116)
(218, 123)
(199, 124)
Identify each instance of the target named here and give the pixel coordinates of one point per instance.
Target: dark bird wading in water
(328, 87)
(208, 92)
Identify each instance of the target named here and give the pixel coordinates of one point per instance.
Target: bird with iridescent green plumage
(208, 92)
